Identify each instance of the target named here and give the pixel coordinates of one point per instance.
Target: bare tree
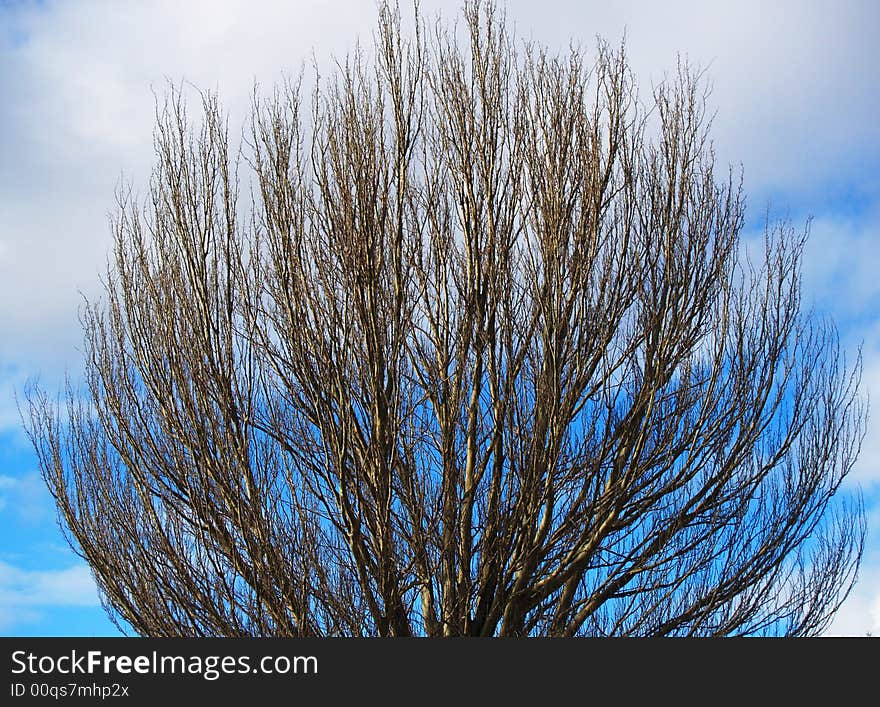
(486, 357)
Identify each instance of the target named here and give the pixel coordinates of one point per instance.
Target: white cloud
(790, 85)
(867, 468)
(12, 381)
(26, 498)
(841, 263)
(78, 113)
(793, 81)
(24, 593)
(860, 614)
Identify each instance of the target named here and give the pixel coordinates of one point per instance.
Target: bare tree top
(483, 358)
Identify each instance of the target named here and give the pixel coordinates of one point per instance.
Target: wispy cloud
(24, 594)
(860, 614)
(841, 264)
(26, 498)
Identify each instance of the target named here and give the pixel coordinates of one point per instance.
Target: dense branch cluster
(486, 357)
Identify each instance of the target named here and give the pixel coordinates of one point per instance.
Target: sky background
(795, 85)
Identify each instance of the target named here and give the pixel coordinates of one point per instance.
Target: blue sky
(794, 84)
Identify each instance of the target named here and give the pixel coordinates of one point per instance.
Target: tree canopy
(486, 356)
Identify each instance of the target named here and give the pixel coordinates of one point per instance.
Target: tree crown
(484, 358)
